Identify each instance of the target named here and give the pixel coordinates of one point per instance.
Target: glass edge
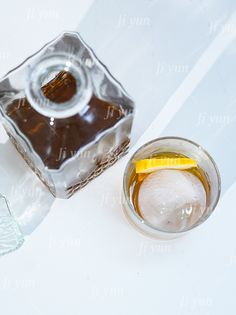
(142, 221)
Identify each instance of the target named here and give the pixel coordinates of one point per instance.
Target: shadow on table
(30, 201)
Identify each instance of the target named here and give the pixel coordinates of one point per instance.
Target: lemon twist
(154, 164)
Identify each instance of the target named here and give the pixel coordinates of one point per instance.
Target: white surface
(84, 258)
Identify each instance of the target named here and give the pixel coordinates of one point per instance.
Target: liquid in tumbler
(169, 191)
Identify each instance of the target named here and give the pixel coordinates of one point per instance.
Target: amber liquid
(56, 140)
(136, 180)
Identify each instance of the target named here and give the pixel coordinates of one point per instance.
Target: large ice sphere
(172, 200)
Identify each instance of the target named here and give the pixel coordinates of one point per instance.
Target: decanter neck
(59, 86)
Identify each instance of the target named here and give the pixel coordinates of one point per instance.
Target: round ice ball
(172, 200)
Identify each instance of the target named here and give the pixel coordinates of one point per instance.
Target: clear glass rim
(57, 62)
(7, 205)
(18, 235)
(143, 221)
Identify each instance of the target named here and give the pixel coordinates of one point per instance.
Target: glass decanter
(66, 114)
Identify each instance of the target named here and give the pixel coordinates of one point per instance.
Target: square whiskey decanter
(66, 114)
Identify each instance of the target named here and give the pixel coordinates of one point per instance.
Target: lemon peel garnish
(154, 164)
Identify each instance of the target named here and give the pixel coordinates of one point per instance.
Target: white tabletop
(81, 256)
